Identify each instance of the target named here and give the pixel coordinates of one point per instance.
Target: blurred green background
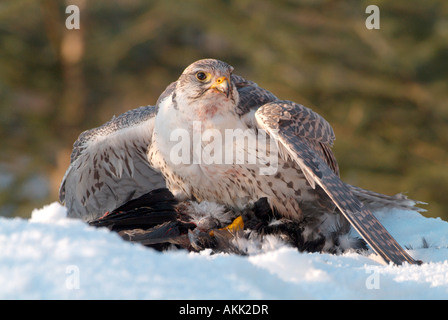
(384, 91)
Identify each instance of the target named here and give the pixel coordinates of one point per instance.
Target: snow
(52, 257)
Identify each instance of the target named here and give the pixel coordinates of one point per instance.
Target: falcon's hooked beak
(222, 85)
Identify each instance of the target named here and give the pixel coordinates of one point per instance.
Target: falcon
(215, 136)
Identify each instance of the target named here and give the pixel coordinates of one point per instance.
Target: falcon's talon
(236, 226)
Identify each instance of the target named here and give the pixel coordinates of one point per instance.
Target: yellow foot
(233, 228)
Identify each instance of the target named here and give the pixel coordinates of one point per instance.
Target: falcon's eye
(201, 76)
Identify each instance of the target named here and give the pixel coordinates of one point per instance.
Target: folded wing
(305, 137)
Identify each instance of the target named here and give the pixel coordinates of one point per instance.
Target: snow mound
(52, 257)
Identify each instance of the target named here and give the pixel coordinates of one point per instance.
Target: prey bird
(183, 144)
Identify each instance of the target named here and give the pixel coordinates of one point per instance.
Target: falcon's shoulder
(300, 120)
(296, 120)
(251, 96)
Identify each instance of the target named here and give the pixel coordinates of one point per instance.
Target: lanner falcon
(203, 141)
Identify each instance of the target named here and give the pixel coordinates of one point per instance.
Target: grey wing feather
(321, 138)
(297, 129)
(377, 201)
(109, 165)
(251, 95)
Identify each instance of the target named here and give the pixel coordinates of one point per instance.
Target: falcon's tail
(376, 201)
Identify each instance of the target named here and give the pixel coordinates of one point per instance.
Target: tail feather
(376, 201)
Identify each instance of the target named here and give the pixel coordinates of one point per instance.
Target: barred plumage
(132, 154)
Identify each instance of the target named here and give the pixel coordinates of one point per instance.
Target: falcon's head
(205, 87)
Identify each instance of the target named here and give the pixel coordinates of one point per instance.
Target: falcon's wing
(299, 132)
(109, 165)
(321, 138)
